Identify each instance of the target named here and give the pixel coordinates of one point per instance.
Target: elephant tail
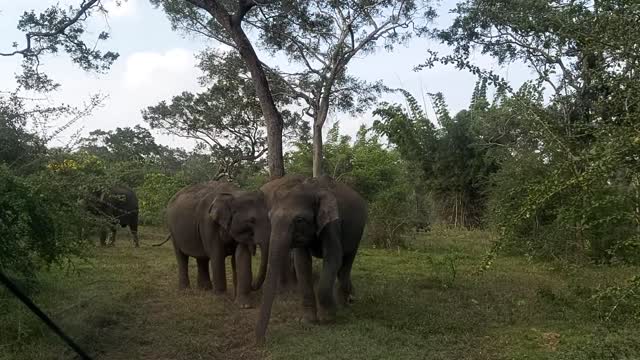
(165, 240)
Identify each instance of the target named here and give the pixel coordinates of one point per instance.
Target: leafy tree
(320, 38)
(222, 21)
(383, 178)
(580, 194)
(453, 167)
(40, 216)
(53, 30)
(20, 146)
(122, 144)
(226, 120)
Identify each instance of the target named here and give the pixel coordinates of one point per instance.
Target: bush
(382, 178)
(154, 194)
(389, 219)
(40, 222)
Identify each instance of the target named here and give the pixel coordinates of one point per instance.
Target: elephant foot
(309, 318)
(242, 300)
(350, 299)
(205, 286)
(347, 299)
(244, 304)
(326, 316)
(183, 287)
(219, 292)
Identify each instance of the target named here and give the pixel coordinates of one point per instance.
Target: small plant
(445, 269)
(615, 302)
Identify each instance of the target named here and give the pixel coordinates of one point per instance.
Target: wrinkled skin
(213, 220)
(120, 206)
(319, 218)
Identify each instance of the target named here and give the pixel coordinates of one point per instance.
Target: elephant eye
(300, 220)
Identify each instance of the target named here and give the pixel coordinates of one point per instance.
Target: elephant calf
(314, 217)
(213, 220)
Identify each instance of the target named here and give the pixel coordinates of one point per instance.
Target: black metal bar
(14, 289)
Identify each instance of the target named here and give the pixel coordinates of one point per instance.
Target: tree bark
(272, 117)
(317, 150)
(318, 123)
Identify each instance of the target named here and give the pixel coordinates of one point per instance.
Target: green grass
(420, 304)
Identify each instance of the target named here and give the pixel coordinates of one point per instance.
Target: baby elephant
(213, 220)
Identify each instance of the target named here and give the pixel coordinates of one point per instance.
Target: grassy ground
(419, 304)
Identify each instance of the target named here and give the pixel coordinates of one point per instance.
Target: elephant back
(280, 187)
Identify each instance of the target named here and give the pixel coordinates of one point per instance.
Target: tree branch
(27, 50)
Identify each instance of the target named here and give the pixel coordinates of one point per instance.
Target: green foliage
(618, 302)
(54, 30)
(453, 168)
(122, 144)
(40, 221)
(154, 194)
(567, 181)
(225, 120)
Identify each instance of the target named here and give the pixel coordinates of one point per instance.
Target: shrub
(40, 221)
(154, 194)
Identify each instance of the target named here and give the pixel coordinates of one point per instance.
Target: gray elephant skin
(316, 217)
(210, 221)
(120, 205)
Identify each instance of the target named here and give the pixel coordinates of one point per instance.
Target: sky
(157, 63)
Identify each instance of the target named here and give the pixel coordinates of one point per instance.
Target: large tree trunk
(318, 123)
(317, 150)
(272, 117)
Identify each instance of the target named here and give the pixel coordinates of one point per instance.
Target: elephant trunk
(264, 260)
(277, 255)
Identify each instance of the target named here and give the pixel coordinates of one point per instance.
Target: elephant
(314, 217)
(212, 220)
(120, 205)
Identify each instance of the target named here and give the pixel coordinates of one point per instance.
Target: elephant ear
(220, 210)
(327, 210)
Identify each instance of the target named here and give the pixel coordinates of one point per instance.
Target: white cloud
(119, 8)
(152, 68)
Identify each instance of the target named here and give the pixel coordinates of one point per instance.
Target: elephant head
(244, 218)
(305, 215)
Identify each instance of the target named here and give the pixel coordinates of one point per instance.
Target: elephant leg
(234, 276)
(204, 281)
(218, 273)
(134, 234)
(304, 271)
(103, 237)
(344, 278)
(183, 269)
(242, 267)
(331, 263)
(112, 238)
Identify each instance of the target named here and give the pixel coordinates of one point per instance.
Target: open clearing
(411, 304)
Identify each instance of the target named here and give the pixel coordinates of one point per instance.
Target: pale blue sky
(156, 63)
